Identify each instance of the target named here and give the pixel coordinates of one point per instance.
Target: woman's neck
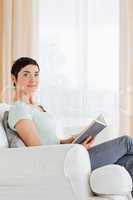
(28, 99)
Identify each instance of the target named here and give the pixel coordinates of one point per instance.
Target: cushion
(111, 179)
(13, 139)
(3, 138)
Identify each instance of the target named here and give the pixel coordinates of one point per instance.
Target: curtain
(18, 28)
(78, 59)
(126, 67)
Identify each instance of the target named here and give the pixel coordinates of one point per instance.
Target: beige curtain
(18, 28)
(126, 66)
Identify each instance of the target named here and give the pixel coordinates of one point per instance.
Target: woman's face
(27, 79)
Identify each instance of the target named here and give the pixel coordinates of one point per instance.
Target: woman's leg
(110, 152)
(127, 162)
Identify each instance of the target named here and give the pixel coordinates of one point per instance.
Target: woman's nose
(32, 77)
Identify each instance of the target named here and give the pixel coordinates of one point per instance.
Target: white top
(45, 123)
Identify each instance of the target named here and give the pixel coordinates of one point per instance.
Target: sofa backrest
(3, 138)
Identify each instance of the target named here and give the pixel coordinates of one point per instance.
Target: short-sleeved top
(45, 123)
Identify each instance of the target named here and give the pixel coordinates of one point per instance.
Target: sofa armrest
(62, 168)
(111, 180)
(77, 169)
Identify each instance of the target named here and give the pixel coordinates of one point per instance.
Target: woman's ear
(13, 78)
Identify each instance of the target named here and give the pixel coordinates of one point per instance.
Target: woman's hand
(67, 141)
(88, 142)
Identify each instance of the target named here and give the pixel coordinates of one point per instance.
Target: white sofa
(57, 172)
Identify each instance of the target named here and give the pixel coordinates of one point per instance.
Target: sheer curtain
(78, 53)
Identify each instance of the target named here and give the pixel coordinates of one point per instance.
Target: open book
(96, 126)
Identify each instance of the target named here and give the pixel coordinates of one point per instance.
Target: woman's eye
(36, 75)
(25, 75)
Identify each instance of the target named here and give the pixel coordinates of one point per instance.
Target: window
(78, 53)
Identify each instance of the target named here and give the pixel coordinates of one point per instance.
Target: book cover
(96, 126)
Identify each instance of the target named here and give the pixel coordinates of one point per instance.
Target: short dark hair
(21, 63)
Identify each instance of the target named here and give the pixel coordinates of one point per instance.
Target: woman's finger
(92, 141)
(89, 145)
(88, 140)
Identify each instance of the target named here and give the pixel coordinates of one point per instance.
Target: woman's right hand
(88, 142)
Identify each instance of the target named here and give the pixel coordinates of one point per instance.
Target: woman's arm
(67, 141)
(27, 132)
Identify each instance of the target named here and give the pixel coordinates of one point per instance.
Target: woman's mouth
(31, 86)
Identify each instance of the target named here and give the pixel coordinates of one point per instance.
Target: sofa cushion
(3, 138)
(111, 179)
(14, 140)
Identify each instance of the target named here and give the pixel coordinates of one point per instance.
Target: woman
(35, 126)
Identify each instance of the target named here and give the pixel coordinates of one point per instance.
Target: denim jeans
(116, 151)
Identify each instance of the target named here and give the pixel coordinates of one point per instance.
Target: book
(94, 128)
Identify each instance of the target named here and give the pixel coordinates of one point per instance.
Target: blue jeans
(117, 151)
(111, 151)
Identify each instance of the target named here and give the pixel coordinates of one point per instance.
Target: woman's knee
(128, 140)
